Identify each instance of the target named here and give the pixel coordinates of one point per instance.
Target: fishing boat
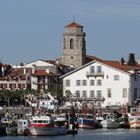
(110, 122)
(123, 121)
(44, 126)
(10, 124)
(134, 121)
(87, 121)
(23, 126)
(59, 120)
(2, 129)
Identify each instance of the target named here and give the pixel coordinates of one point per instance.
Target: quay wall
(15, 110)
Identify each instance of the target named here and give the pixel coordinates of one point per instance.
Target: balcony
(40, 83)
(95, 74)
(88, 99)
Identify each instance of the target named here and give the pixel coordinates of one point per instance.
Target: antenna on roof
(73, 18)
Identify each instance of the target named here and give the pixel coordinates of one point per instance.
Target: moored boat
(134, 121)
(23, 126)
(87, 121)
(44, 126)
(123, 121)
(10, 124)
(2, 129)
(110, 122)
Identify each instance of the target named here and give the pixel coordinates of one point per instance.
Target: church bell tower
(74, 45)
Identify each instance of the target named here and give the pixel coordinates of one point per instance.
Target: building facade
(37, 75)
(104, 83)
(13, 78)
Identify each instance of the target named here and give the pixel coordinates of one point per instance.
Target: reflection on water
(91, 134)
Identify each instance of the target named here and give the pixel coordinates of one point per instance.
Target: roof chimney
(138, 60)
(2, 70)
(122, 61)
(131, 60)
(33, 68)
(57, 61)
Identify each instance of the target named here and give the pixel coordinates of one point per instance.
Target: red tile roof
(43, 73)
(14, 72)
(124, 67)
(115, 64)
(74, 24)
(91, 58)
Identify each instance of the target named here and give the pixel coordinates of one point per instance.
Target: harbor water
(91, 134)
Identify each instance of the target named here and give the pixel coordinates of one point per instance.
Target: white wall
(116, 86)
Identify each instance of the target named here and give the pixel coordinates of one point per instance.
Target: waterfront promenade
(18, 110)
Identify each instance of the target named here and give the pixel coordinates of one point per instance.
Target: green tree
(6, 94)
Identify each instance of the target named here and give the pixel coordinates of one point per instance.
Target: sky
(32, 29)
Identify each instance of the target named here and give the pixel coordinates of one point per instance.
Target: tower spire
(74, 19)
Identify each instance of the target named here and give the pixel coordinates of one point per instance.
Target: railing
(95, 74)
(87, 99)
(40, 83)
(15, 110)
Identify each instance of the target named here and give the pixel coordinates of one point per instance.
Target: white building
(44, 74)
(105, 82)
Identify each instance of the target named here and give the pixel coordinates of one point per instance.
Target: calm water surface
(94, 134)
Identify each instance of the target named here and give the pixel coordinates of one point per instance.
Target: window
(99, 104)
(28, 78)
(78, 82)
(92, 94)
(84, 93)
(116, 77)
(124, 92)
(99, 93)
(4, 86)
(109, 93)
(92, 69)
(92, 82)
(22, 86)
(71, 44)
(13, 86)
(135, 93)
(77, 93)
(135, 77)
(99, 69)
(64, 45)
(67, 83)
(84, 82)
(99, 82)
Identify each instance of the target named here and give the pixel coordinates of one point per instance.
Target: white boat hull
(109, 124)
(135, 125)
(134, 121)
(47, 131)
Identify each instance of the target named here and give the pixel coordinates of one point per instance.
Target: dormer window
(8, 78)
(17, 78)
